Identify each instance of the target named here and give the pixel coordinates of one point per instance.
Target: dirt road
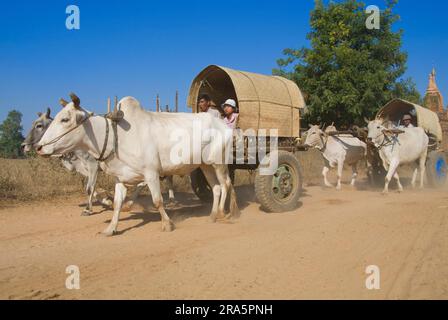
(321, 250)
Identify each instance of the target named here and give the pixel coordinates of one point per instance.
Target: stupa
(433, 98)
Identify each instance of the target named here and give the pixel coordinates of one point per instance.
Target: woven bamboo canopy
(422, 117)
(264, 102)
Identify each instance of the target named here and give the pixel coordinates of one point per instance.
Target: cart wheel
(281, 191)
(436, 169)
(200, 186)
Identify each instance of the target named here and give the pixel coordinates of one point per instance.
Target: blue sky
(141, 48)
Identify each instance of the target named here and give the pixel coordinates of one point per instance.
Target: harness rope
(387, 141)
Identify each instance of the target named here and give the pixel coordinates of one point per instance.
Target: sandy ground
(320, 250)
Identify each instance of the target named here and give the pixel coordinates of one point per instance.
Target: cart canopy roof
(422, 117)
(264, 102)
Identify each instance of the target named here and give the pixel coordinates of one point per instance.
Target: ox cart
(263, 103)
(436, 165)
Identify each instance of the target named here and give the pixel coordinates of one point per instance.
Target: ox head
(64, 133)
(377, 129)
(38, 128)
(315, 137)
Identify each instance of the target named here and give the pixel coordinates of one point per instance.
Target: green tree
(11, 135)
(350, 71)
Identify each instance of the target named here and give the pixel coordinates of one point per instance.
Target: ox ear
(39, 114)
(366, 120)
(310, 125)
(76, 101)
(48, 113)
(62, 102)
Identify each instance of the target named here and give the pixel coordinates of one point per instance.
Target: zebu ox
(136, 153)
(77, 160)
(411, 146)
(336, 150)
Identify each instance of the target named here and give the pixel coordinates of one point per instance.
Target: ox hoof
(127, 206)
(167, 226)
(213, 218)
(107, 202)
(171, 203)
(86, 213)
(220, 215)
(108, 233)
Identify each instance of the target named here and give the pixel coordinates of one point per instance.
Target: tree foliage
(11, 135)
(350, 71)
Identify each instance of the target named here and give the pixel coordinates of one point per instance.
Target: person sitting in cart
(231, 117)
(205, 105)
(406, 122)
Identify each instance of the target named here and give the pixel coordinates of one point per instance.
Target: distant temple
(433, 98)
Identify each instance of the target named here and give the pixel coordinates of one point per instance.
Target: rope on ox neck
(388, 141)
(106, 138)
(324, 143)
(115, 117)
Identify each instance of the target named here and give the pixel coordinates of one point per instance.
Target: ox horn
(47, 115)
(75, 99)
(115, 103)
(62, 102)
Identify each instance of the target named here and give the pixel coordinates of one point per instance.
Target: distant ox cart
(436, 164)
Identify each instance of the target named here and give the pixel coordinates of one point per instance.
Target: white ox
(336, 150)
(141, 151)
(409, 147)
(81, 162)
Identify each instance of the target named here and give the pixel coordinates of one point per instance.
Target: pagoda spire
(433, 98)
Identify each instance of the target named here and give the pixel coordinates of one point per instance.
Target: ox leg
(422, 165)
(210, 175)
(392, 168)
(414, 177)
(90, 188)
(170, 183)
(354, 174)
(400, 187)
(222, 173)
(128, 205)
(340, 168)
(120, 195)
(153, 182)
(325, 171)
